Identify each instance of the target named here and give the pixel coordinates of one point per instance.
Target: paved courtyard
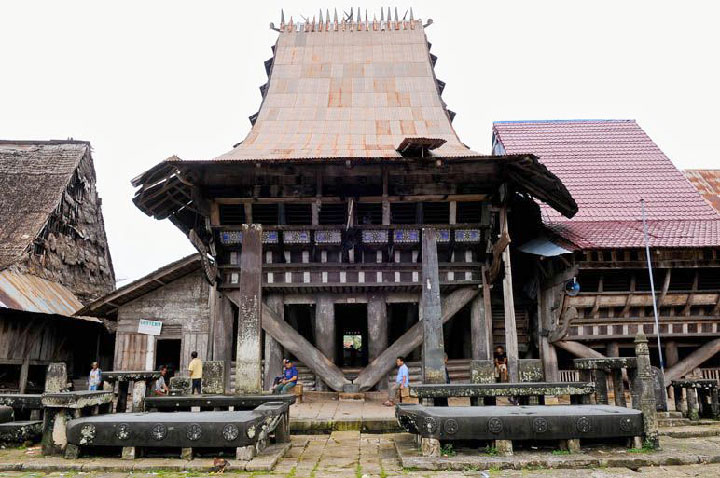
(346, 454)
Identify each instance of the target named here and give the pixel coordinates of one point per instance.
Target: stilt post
(248, 366)
(433, 358)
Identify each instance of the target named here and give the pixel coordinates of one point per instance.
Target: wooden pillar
(546, 297)
(273, 349)
(24, 370)
(433, 351)
(479, 333)
(511, 343)
(222, 338)
(671, 353)
(377, 323)
(612, 349)
(248, 365)
(325, 331)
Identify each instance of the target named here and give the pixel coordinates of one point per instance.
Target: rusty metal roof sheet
(349, 89)
(707, 182)
(32, 294)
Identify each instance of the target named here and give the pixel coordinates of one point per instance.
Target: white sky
(145, 80)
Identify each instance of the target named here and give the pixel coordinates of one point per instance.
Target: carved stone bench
(579, 392)
(567, 423)
(701, 398)
(245, 431)
(214, 402)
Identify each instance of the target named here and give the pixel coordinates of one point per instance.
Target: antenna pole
(652, 285)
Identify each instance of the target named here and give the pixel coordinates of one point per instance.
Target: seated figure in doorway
(501, 371)
(161, 388)
(288, 380)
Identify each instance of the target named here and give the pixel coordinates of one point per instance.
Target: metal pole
(652, 285)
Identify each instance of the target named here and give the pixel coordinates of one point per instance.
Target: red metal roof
(608, 166)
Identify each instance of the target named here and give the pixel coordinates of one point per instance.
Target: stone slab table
(19, 432)
(141, 381)
(60, 407)
(247, 431)
(24, 404)
(701, 397)
(579, 392)
(505, 424)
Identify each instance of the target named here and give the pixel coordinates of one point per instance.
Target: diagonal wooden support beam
(302, 349)
(410, 340)
(578, 349)
(692, 361)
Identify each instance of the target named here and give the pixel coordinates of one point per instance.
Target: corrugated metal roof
(32, 294)
(349, 90)
(707, 182)
(608, 166)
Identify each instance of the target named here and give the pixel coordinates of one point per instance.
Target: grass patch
(447, 450)
(561, 452)
(358, 471)
(646, 448)
(489, 450)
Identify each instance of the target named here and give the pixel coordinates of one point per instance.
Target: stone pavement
(334, 415)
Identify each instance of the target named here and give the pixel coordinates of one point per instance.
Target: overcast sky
(146, 80)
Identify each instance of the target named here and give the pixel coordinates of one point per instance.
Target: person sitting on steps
(501, 362)
(289, 379)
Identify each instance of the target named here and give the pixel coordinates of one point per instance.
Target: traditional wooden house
(177, 298)
(351, 160)
(53, 257)
(609, 167)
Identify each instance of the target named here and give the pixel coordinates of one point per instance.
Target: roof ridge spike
(282, 18)
(335, 19)
(327, 17)
(411, 15)
(321, 17)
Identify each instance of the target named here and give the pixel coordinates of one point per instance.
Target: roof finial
(327, 15)
(411, 15)
(321, 18)
(389, 16)
(282, 18)
(396, 15)
(382, 15)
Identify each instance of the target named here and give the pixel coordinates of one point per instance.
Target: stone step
(351, 397)
(671, 414)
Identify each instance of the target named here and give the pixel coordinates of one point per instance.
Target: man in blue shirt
(402, 380)
(289, 378)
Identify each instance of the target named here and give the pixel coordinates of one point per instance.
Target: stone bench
(141, 381)
(61, 407)
(701, 398)
(25, 405)
(245, 431)
(17, 433)
(503, 425)
(579, 392)
(214, 402)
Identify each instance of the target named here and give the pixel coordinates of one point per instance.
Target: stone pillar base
(572, 445)
(504, 447)
(72, 452)
(245, 453)
(637, 442)
(430, 446)
(186, 453)
(128, 453)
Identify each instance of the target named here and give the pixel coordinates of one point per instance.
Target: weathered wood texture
(578, 349)
(72, 247)
(273, 353)
(431, 312)
(325, 331)
(182, 306)
(410, 340)
(511, 339)
(692, 361)
(303, 350)
(248, 366)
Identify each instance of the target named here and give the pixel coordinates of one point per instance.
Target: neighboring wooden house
(177, 296)
(53, 257)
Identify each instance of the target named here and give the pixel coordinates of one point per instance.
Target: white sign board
(149, 327)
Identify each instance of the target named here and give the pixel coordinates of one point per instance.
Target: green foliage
(447, 450)
(489, 450)
(561, 452)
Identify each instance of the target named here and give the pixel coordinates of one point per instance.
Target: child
(501, 371)
(95, 377)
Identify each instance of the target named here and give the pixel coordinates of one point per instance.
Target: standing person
(289, 378)
(95, 377)
(401, 382)
(161, 387)
(501, 371)
(195, 368)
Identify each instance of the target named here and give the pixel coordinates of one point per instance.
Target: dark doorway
(300, 317)
(351, 335)
(167, 352)
(401, 317)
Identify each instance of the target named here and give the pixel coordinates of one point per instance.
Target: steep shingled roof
(707, 182)
(608, 166)
(33, 176)
(349, 90)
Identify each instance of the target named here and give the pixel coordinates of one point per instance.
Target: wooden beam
(410, 340)
(299, 346)
(325, 336)
(273, 350)
(433, 352)
(578, 349)
(692, 361)
(511, 343)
